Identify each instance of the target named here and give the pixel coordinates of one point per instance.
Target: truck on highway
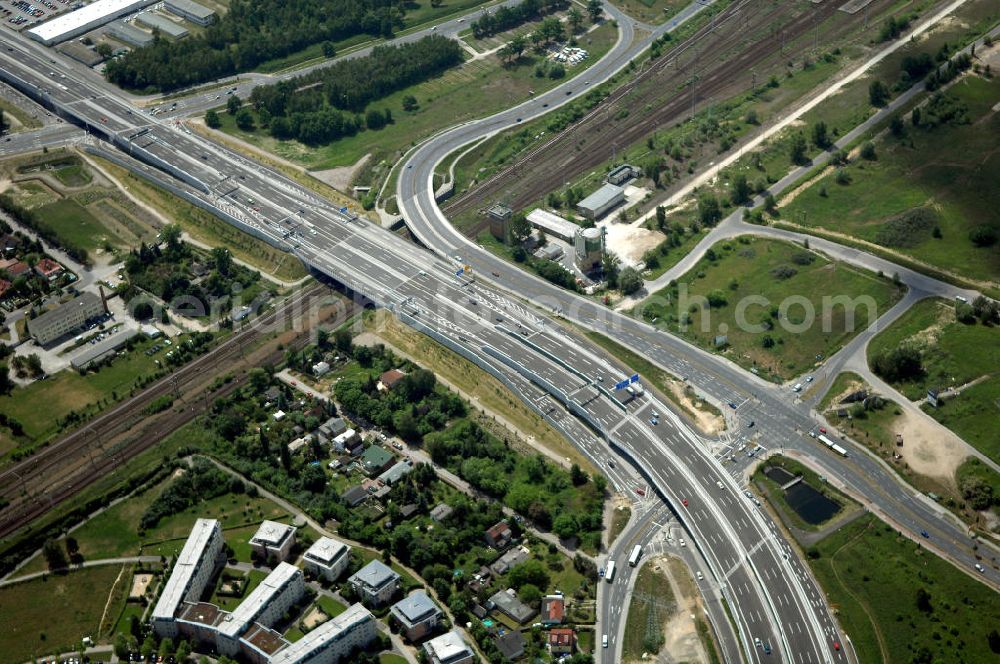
(609, 573)
(633, 559)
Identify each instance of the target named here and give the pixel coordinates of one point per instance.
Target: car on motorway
(719, 484)
(700, 576)
(684, 502)
(980, 568)
(767, 648)
(757, 642)
(732, 404)
(751, 424)
(683, 543)
(836, 646)
(654, 421)
(924, 533)
(611, 463)
(822, 429)
(809, 379)
(748, 494)
(604, 640)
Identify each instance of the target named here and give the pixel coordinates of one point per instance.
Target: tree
(519, 228)
(244, 120)
(797, 149)
(6, 384)
(529, 572)
(741, 190)
(924, 600)
(978, 492)
(983, 236)
(709, 211)
(609, 265)
(286, 458)
(868, 151)
(565, 526)
(878, 94)
(212, 119)
(820, 135)
(594, 10)
(898, 364)
(104, 50)
(233, 104)
(54, 554)
(329, 50)
(530, 594)
(630, 280)
(518, 44)
(171, 235)
(661, 217)
(410, 103)
(575, 19)
(577, 476)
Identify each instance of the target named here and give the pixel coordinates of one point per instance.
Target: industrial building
(130, 34)
(65, 318)
(552, 224)
(102, 349)
(375, 583)
(589, 246)
(601, 201)
(499, 216)
(332, 641)
(273, 539)
(166, 27)
(190, 11)
(449, 648)
(202, 553)
(327, 558)
(417, 615)
(83, 20)
(622, 174)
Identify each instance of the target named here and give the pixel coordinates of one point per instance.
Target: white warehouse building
(85, 19)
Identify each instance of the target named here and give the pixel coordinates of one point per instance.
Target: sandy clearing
(139, 584)
(316, 616)
(340, 178)
(706, 422)
(630, 242)
(929, 450)
(793, 194)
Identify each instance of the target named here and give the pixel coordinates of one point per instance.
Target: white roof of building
(92, 14)
(304, 648)
(375, 574)
(447, 646)
(552, 223)
(187, 563)
(325, 550)
(601, 197)
(415, 608)
(250, 608)
(272, 533)
(192, 8)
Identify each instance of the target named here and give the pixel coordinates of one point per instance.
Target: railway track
(60, 471)
(715, 63)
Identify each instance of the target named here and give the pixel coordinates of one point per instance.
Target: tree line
(505, 18)
(32, 220)
(251, 32)
(326, 104)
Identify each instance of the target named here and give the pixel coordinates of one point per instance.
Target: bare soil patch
(139, 584)
(340, 178)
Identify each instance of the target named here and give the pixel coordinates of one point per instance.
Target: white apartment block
(265, 605)
(333, 641)
(375, 583)
(327, 558)
(191, 572)
(449, 648)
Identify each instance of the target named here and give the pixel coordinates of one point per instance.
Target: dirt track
(750, 35)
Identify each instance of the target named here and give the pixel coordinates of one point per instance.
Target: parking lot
(21, 14)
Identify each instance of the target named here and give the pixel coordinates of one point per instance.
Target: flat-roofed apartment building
(417, 615)
(202, 553)
(268, 602)
(333, 641)
(273, 539)
(449, 648)
(327, 558)
(65, 318)
(375, 583)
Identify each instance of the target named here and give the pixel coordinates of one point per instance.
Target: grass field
(51, 615)
(651, 11)
(945, 344)
(209, 229)
(619, 519)
(472, 90)
(657, 596)
(873, 576)
(115, 532)
(67, 392)
(945, 172)
(764, 291)
(72, 221)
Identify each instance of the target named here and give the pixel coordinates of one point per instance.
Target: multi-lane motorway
(768, 590)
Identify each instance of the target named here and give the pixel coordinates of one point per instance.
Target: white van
(604, 641)
(797, 388)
